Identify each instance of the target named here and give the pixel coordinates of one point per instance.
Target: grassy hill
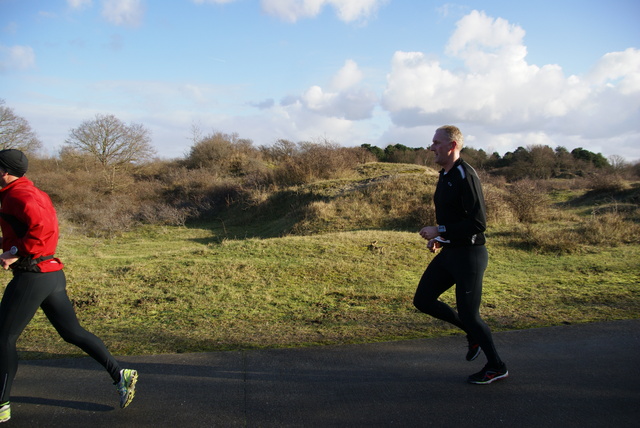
(337, 261)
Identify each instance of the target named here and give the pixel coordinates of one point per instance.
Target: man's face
(441, 147)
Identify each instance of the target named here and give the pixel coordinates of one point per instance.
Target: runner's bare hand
(7, 259)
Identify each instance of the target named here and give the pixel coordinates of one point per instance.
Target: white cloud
(355, 10)
(344, 99)
(348, 76)
(481, 41)
(128, 13)
(338, 113)
(264, 104)
(298, 123)
(78, 4)
(449, 9)
(497, 89)
(347, 10)
(292, 10)
(622, 68)
(17, 58)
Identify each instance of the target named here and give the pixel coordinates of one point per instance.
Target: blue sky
(554, 72)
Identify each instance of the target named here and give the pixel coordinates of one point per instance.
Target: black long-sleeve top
(460, 206)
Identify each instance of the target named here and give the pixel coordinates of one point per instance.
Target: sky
(510, 74)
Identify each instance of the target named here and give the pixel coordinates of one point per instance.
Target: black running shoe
(489, 374)
(474, 349)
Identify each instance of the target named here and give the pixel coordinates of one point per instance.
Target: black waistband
(27, 264)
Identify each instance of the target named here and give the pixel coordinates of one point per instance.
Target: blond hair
(454, 134)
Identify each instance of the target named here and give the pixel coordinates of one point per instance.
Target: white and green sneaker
(126, 386)
(5, 412)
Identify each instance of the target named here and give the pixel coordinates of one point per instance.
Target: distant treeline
(535, 162)
(108, 195)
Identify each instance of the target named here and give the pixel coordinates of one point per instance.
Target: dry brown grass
(400, 201)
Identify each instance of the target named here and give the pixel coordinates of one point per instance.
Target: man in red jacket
(29, 238)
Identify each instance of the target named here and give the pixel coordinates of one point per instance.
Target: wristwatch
(442, 229)
(13, 250)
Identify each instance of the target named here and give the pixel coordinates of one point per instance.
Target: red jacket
(29, 222)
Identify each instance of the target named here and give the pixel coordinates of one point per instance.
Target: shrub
(600, 229)
(605, 182)
(399, 202)
(494, 189)
(498, 207)
(609, 229)
(309, 162)
(226, 155)
(108, 215)
(528, 202)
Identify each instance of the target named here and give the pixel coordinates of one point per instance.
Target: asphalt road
(569, 376)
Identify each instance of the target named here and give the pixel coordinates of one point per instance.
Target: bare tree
(15, 132)
(112, 143)
(618, 162)
(281, 150)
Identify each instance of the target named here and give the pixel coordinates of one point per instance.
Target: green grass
(177, 289)
(240, 280)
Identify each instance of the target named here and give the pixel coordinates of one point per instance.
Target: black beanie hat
(14, 162)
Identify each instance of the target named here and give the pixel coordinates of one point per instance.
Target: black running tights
(464, 267)
(24, 294)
